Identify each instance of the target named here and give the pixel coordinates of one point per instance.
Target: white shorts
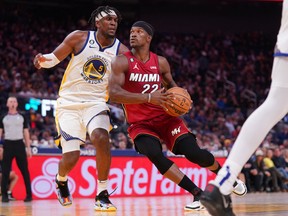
(75, 120)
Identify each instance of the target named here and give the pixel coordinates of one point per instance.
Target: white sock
(61, 178)
(227, 176)
(101, 186)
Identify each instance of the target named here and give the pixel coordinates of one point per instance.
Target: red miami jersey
(147, 118)
(142, 78)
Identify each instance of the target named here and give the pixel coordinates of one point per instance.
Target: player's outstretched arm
(72, 43)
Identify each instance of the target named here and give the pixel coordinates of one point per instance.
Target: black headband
(146, 26)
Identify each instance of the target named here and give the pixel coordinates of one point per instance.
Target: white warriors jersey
(86, 76)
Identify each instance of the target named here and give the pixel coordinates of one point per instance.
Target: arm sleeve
(1, 121)
(25, 123)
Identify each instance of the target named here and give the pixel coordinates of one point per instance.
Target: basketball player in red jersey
(136, 81)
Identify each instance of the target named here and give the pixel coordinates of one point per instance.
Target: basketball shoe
(240, 188)
(63, 193)
(10, 196)
(196, 204)
(216, 203)
(102, 202)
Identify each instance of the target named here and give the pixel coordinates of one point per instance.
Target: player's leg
(187, 145)
(22, 163)
(13, 178)
(73, 134)
(70, 157)
(151, 147)
(6, 167)
(252, 133)
(98, 129)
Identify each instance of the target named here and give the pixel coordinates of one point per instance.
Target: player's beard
(109, 36)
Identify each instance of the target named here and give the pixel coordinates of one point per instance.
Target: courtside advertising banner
(130, 176)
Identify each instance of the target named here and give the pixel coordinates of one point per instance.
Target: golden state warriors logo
(94, 69)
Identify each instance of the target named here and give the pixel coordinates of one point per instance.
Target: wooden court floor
(262, 204)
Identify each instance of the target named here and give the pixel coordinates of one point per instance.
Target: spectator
(272, 172)
(256, 173)
(280, 165)
(34, 141)
(122, 145)
(47, 140)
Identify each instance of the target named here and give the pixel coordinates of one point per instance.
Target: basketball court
(261, 204)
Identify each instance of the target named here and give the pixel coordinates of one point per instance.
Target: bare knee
(100, 139)
(69, 159)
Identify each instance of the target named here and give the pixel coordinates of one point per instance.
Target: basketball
(181, 104)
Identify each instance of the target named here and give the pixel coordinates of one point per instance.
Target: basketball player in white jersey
(81, 106)
(216, 196)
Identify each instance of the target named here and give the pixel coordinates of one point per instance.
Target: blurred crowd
(226, 74)
(267, 170)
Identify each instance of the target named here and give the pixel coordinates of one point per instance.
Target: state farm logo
(131, 178)
(44, 185)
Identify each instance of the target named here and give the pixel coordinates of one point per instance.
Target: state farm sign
(132, 176)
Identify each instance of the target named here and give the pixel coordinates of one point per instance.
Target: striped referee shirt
(13, 126)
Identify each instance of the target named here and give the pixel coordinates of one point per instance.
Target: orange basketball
(181, 103)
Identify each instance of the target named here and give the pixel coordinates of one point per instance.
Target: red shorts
(164, 127)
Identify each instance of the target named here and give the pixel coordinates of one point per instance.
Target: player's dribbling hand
(161, 97)
(38, 59)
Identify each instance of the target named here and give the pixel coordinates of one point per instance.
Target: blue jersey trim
(279, 54)
(118, 47)
(102, 49)
(88, 35)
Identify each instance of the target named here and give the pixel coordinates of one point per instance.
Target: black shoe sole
(213, 210)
